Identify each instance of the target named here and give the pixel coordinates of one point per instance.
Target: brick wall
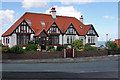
(33, 55)
(90, 53)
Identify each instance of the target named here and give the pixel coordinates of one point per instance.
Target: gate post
(73, 53)
(64, 53)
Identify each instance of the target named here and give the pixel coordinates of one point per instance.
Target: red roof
(63, 23)
(117, 41)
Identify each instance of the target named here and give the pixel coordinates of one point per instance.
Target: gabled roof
(63, 23)
(117, 41)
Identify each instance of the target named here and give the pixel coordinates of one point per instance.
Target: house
(58, 30)
(117, 41)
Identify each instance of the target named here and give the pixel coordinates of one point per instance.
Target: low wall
(90, 53)
(33, 55)
(51, 55)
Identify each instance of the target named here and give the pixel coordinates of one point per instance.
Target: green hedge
(31, 47)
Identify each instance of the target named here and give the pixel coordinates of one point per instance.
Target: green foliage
(50, 47)
(17, 49)
(51, 50)
(31, 42)
(31, 47)
(5, 49)
(89, 48)
(65, 46)
(77, 44)
(112, 46)
(60, 48)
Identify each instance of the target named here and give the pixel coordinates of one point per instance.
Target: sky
(103, 15)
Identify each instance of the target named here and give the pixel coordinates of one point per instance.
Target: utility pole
(106, 37)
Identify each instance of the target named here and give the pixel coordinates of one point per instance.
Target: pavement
(65, 60)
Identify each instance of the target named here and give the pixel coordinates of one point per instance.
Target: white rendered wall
(31, 36)
(60, 39)
(13, 40)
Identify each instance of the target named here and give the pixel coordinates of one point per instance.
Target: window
(71, 30)
(43, 23)
(22, 39)
(54, 39)
(91, 39)
(88, 39)
(67, 39)
(81, 27)
(29, 22)
(70, 39)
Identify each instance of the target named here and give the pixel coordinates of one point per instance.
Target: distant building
(59, 30)
(117, 41)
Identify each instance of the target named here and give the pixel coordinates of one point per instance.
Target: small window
(81, 27)
(43, 23)
(29, 22)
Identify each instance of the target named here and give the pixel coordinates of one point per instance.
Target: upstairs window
(43, 23)
(29, 22)
(81, 27)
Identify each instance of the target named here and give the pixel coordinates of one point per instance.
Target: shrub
(77, 44)
(5, 49)
(50, 47)
(51, 50)
(65, 46)
(60, 48)
(17, 49)
(89, 48)
(31, 47)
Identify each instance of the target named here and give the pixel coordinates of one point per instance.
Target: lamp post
(106, 37)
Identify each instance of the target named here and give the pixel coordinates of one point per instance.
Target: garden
(77, 45)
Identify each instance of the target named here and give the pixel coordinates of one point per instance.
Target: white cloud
(75, 1)
(34, 3)
(6, 16)
(66, 11)
(108, 17)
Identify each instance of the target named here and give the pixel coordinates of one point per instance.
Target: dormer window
(81, 27)
(29, 22)
(43, 23)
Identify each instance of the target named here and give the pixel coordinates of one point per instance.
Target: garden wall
(33, 55)
(90, 53)
(51, 55)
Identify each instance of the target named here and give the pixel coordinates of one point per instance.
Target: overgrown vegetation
(31, 47)
(77, 44)
(60, 48)
(89, 48)
(17, 49)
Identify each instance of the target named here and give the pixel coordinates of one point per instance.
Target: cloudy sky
(102, 14)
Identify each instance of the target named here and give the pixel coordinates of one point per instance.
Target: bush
(60, 48)
(5, 49)
(17, 49)
(89, 48)
(77, 44)
(65, 46)
(50, 47)
(51, 50)
(31, 47)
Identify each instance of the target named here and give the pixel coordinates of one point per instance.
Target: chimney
(53, 13)
(81, 19)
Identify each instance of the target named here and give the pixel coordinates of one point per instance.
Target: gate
(69, 53)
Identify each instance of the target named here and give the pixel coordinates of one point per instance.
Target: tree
(110, 45)
(77, 44)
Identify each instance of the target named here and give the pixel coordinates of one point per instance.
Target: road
(106, 69)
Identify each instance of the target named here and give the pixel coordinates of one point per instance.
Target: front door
(43, 43)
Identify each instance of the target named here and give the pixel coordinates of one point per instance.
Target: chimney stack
(81, 19)
(53, 13)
